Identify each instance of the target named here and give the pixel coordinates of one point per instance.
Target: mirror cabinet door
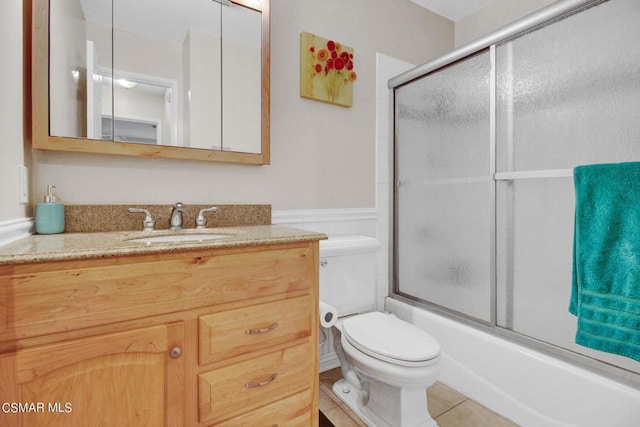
(162, 74)
(165, 51)
(202, 78)
(241, 79)
(74, 89)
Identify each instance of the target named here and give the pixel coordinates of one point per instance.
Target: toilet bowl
(387, 364)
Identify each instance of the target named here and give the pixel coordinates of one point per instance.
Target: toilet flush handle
(324, 262)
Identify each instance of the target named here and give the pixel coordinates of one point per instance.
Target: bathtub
(526, 386)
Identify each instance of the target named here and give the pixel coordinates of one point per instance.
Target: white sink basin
(177, 238)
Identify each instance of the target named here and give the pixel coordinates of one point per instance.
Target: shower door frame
(529, 23)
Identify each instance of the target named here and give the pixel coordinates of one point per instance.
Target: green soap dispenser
(50, 214)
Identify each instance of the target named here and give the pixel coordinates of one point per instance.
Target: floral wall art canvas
(327, 71)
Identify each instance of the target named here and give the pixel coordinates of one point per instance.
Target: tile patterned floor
(448, 407)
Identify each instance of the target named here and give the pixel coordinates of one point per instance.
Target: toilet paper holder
(328, 315)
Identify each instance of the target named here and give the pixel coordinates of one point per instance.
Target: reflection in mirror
(182, 73)
(141, 101)
(72, 59)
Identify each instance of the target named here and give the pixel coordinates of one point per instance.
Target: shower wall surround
(485, 142)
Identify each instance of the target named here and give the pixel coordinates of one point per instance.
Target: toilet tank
(348, 273)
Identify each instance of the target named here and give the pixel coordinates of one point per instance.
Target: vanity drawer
(232, 333)
(293, 411)
(232, 390)
(34, 301)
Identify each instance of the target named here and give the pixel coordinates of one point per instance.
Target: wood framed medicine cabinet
(175, 136)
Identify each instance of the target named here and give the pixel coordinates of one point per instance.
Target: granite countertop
(75, 246)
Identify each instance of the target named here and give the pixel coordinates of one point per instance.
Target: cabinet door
(133, 378)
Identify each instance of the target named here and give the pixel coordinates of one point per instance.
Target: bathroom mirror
(185, 79)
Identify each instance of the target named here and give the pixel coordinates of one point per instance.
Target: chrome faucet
(176, 217)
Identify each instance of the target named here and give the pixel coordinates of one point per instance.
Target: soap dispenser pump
(50, 214)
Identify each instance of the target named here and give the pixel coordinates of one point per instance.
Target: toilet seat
(387, 338)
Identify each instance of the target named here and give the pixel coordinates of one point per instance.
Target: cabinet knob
(175, 352)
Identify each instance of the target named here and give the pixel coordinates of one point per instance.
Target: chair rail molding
(323, 215)
(16, 229)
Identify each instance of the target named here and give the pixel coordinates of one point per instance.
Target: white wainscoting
(332, 222)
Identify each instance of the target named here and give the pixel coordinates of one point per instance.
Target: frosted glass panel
(444, 248)
(443, 123)
(534, 260)
(534, 257)
(569, 93)
(443, 201)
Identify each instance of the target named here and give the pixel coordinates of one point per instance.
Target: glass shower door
(567, 94)
(443, 219)
(484, 154)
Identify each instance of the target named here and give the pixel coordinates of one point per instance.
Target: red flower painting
(327, 70)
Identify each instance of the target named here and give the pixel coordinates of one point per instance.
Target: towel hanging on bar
(605, 293)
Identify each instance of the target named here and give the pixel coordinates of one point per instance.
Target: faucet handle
(201, 221)
(148, 222)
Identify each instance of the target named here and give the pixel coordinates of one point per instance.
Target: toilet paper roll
(328, 315)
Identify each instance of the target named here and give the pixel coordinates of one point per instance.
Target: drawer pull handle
(262, 383)
(261, 331)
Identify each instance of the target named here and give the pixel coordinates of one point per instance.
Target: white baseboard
(13, 230)
(328, 357)
(328, 362)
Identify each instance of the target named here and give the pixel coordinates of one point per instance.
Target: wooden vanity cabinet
(210, 337)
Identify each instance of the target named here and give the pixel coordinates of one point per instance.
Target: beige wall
(494, 16)
(323, 156)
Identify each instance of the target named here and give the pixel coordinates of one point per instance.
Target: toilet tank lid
(340, 245)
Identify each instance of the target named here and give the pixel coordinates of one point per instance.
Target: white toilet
(387, 364)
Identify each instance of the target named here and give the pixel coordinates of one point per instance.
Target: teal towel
(605, 294)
